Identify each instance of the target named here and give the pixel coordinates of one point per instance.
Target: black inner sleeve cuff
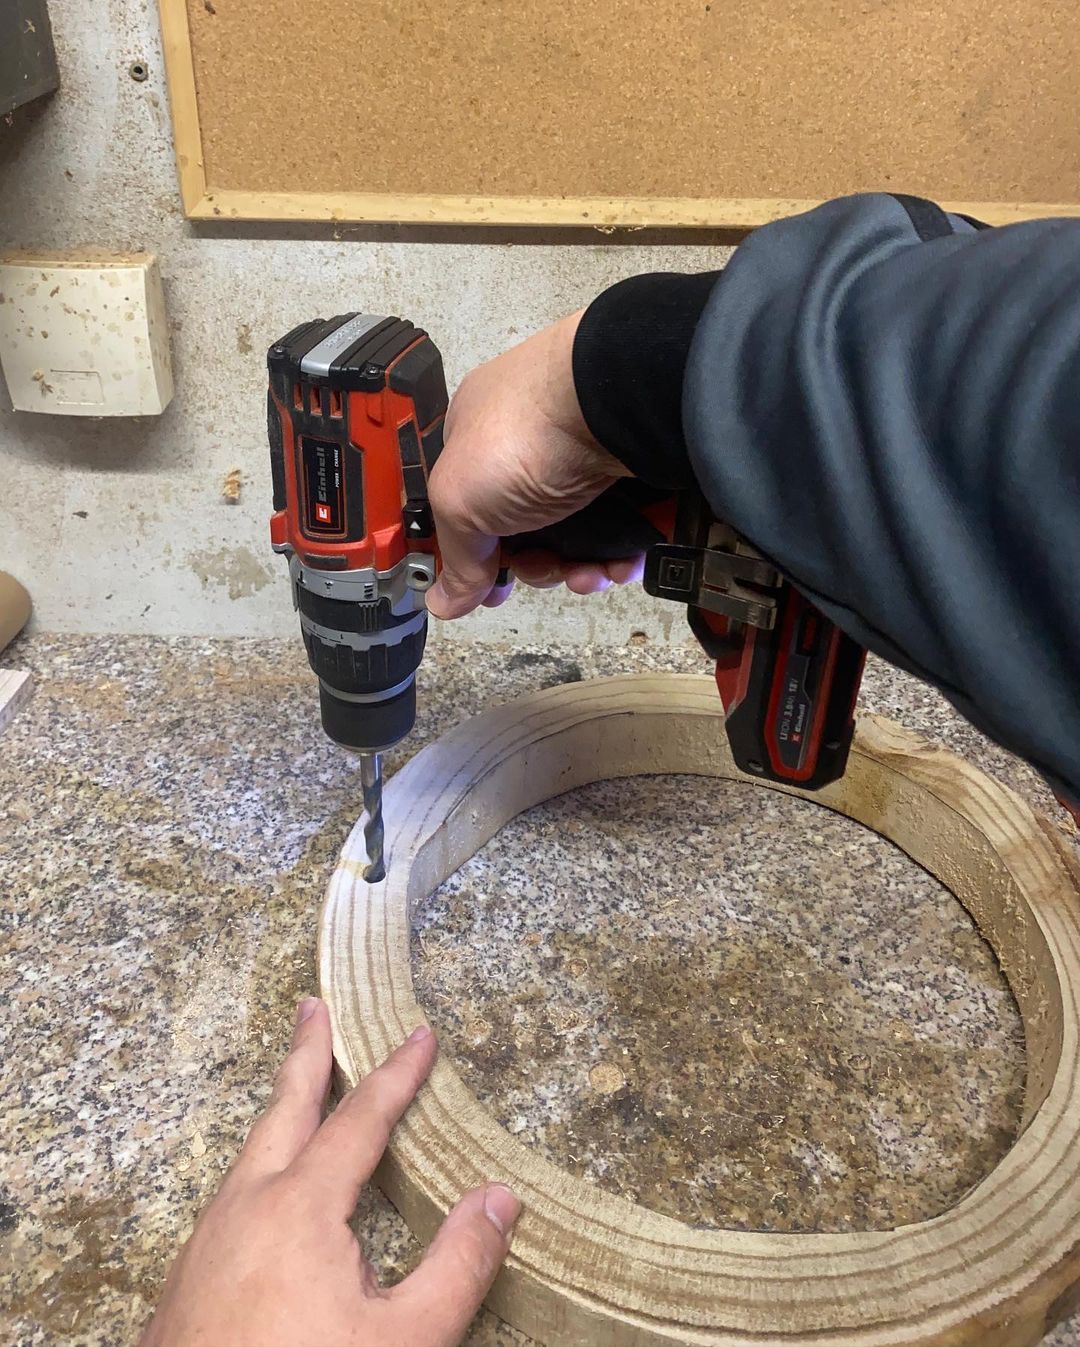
(629, 359)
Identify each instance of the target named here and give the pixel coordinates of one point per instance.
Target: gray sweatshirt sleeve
(896, 423)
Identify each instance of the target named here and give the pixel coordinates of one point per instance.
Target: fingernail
(419, 1034)
(435, 598)
(501, 1207)
(306, 1009)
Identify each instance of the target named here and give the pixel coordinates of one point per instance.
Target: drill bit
(371, 780)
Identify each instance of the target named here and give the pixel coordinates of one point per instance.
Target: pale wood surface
(15, 687)
(187, 134)
(587, 212)
(996, 1270)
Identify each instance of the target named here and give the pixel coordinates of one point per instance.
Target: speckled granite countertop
(172, 813)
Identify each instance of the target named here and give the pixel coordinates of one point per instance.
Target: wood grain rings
(997, 1270)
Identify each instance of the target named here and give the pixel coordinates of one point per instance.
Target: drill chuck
(371, 725)
(366, 656)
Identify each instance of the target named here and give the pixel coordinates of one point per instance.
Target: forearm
(896, 424)
(629, 362)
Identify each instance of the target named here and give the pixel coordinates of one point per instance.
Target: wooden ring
(997, 1270)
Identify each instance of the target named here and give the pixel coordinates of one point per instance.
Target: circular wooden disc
(996, 1270)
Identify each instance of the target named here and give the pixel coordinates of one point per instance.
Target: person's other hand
(518, 457)
(272, 1261)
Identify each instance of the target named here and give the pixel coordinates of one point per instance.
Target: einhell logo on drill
(323, 493)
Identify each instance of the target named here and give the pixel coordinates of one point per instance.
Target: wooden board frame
(16, 686)
(203, 200)
(996, 1270)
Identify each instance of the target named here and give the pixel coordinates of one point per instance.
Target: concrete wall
(121, 526)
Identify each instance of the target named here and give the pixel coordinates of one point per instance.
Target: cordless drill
(355, 415)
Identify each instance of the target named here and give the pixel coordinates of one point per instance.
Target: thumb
(444, 1293)
(470, 563)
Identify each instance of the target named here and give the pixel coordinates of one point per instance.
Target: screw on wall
(139, 71)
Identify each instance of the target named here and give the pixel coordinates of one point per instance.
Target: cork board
(722, 113)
